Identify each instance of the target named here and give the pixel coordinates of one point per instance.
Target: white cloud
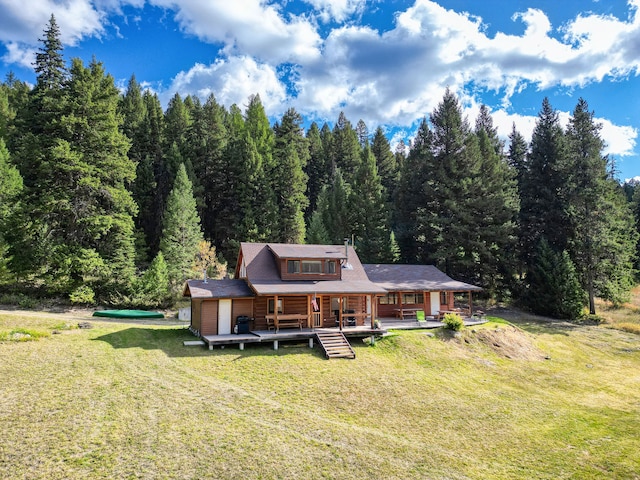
(24, 24)
(19, 55)
(231, 80)
(620, 139)
(338, 10)
(248, 27)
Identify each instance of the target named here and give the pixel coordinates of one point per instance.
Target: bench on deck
(406, 312)
(286, 320)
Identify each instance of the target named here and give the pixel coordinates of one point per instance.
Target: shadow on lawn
(170, 341)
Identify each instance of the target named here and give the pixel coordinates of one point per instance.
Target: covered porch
(313, 311)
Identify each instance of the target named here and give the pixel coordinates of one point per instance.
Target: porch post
(374, 313)
(275, 312)
(470, 305)
(340, 313)
(308, 311)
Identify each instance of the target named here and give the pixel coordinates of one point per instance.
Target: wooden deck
(309, 334)
(262, 336)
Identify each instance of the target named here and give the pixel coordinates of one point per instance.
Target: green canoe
(127, 314)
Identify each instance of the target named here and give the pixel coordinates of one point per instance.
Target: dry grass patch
(505, 340)
(625, 317)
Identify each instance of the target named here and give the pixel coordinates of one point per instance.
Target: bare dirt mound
(507, 341)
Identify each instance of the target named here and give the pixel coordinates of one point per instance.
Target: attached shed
(216, 304)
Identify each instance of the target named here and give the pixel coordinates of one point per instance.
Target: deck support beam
(311, 342)
(275, 344)
(241, 346)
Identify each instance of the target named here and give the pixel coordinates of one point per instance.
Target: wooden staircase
(335, 345)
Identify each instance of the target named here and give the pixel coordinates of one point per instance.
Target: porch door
(316, 312)
(435, 303)
(224, 317)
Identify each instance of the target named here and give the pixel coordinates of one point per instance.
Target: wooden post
(275, 314)
(340, 313)
(311, 342)
(241, 346)
(275, 344)
(470, 306)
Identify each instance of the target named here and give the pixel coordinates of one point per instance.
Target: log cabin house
(314, 286)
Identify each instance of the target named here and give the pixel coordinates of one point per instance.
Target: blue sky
(386, 62)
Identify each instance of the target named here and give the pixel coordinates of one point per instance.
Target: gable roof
(223, 288)
(399, 277)
(264, 277)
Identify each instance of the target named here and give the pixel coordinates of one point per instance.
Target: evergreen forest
(106, 197)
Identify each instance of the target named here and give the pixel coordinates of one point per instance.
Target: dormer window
(311, 267)
(293, 266)
(331, 266)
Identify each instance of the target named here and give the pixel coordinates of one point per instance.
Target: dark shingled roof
(224, 288)
(415, 278)
(264, 277)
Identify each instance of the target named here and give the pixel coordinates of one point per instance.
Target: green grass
(129, 401)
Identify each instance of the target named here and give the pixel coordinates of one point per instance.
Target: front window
(412, 298)
(389, 299)
(271, 306)
(443, 298)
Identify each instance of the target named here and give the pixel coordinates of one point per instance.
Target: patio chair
(420, 317)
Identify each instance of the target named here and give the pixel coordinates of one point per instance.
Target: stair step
(335, 345)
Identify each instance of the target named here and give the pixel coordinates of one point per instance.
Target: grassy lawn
(129, 401)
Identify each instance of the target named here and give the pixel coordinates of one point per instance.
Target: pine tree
(208, 141)
(10, 188)
(518, 155)
(149, 189)
(318, 169)
(260, 141)
(153, 286)
(337, 214)
(496, 207)
(408, 197)
(346, 148)
(554, 287)
(370, 213)
(386, 161)
(181, 231)
(449, 194)
(316, 231)
(363, 133)
(603, 240)
(288, 180)
(543, 191)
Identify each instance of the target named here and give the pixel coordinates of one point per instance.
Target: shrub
(18, 299)
(83, 294)
(453, 321)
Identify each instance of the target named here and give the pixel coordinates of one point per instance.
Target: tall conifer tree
(181, 231)
(603, 239)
